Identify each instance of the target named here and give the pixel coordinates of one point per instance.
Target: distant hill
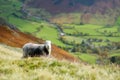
(89, 11)
(61, 6)
(102, 12)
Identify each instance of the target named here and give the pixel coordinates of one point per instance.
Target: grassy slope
(12, 67)
(48, 32)
(24, 25)
(87, 57)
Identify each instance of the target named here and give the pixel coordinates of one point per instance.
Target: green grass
(109, 29)
(24, 25)
(90, 58)
(72, 38)
(50, 33)
(115, 53)
(87, 28)
(92, 30)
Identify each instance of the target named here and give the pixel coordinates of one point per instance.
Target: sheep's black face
(46, 49)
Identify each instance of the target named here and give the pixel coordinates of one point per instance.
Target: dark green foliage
(22, 1)
(56, 2)
(2, 21)
(115, 59)
(85, 2)
(73, 2)
(118, 24)
(118, 21)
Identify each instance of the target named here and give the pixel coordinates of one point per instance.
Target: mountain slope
(12, 67)
(18, 39)
(61, 6)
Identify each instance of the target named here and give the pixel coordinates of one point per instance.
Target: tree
(118, 24)
(2, 21)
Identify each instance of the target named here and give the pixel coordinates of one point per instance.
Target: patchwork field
(78, 33)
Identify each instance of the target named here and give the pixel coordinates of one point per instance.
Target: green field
(49, 32)
(87, 57)
(87, 28)
(93, 31)
(24, 25)
(115, 53)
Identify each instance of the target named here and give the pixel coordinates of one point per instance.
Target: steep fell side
(16, 38)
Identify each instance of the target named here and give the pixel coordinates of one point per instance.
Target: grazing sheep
(32, 50)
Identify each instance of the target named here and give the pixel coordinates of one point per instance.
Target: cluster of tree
(110, 34)
(88, 46)
(76, 34)
(107, 60)
(2, 21)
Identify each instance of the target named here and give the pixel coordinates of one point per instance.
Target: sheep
(36, 50)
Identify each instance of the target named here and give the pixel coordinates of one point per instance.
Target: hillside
(62, 6)
(12, 67)
(16, 38)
